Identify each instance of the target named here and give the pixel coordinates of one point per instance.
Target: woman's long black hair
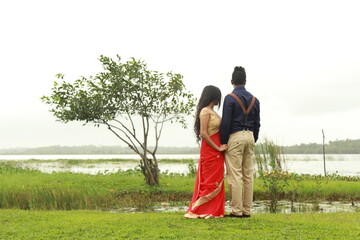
(209, 94)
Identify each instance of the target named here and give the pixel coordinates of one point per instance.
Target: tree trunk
(156, 167)
(150, 171)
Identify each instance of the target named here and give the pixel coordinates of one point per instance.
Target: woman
(208, 200)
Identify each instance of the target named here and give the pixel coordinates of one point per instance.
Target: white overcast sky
(302, 60)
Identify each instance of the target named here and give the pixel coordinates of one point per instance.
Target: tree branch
(131, 133)
(166, 119)
(132, 123)
(131, 145)
(121, 130)
(157, 135)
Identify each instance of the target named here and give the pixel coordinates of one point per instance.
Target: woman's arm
(204, 122)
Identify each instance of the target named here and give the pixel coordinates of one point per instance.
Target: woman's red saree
(208, 200)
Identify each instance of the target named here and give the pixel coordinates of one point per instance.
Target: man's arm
(257, 121)
(226, 120)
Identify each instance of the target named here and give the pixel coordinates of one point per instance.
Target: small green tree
(121, 96)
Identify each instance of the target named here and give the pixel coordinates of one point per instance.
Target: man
(240, 130)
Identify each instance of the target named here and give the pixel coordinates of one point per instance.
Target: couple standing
(231, 138)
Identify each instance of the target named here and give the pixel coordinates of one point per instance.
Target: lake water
(261, 207)
(341, 164)
(95, 156)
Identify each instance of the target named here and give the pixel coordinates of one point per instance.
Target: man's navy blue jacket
(233, 116)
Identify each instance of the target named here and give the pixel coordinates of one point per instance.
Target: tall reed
(32, 189)
(269, 160)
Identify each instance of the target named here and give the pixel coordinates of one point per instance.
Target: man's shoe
(233, 215)
(237, 216)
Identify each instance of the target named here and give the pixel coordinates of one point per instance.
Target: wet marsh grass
(325, 189)
(32, 189)
(279, 184)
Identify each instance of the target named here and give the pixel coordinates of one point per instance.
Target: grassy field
(30, 202)
(29, 189)
(20, 224)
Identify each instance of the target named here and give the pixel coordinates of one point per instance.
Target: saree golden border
(208, 197)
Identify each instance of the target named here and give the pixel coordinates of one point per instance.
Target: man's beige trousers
(239, 160)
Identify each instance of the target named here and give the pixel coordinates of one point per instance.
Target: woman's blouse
(214, 120)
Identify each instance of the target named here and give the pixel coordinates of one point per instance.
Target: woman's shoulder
(209, 111)
(205, 111)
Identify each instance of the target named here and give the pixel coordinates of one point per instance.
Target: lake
(341, 164)
(284, 206)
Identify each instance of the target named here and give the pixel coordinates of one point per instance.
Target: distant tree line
(91, 149)
(347, 146)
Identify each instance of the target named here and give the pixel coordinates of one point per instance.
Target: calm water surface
(262, 207)
(342, 164)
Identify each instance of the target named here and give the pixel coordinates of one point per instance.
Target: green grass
(326, 189)
(20, 224)
(30, 189)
